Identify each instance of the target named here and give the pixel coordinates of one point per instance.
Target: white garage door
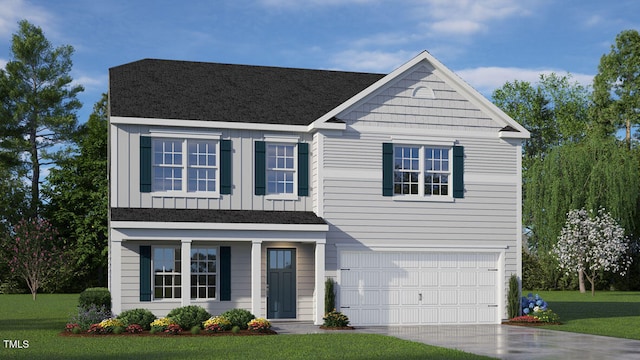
(419, 288)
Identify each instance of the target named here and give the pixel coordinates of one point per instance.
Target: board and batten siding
(125, 152)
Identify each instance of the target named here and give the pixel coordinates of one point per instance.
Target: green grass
(41, 322)
(608, 313)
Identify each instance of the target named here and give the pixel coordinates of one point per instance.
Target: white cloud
(16, 10)
(91, 83)
(370, 61)
(466, 17)
(487, 79)
(3, 63)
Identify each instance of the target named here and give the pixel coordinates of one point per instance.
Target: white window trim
(442, 144)
(173, 273)
(217, 274)
(185, 165)
(282, 196)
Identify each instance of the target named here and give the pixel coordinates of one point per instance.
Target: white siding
(351, 183)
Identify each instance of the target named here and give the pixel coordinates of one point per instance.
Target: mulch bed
(184, 333)
(337, 328)
(528, 324)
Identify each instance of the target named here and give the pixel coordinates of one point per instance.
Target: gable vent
(423, 92)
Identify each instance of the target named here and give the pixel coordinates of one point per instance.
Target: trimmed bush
(329, 296)
(189, 316)
(142, 317)
(90, 315)
(100, 297)
(238, 317)
(513, 297)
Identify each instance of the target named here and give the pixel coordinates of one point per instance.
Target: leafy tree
(77, 192)
(555, 111)
(32, 254)
(617, 86)
(591, 243)
(38, 104)
(595, 173)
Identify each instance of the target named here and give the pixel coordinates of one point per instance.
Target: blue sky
(487, 42)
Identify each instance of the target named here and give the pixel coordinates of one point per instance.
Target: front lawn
(608, 313)
(40, 323)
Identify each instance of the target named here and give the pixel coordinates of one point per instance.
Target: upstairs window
(423, 171)
(185, 165)
(281, 169)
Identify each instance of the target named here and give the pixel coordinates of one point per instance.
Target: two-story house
(236, 186)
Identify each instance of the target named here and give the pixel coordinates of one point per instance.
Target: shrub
(238, 317)
(546, 316)
(235, 329)
(96, 329)
(142, 317)
(159, 325)
(189, 316)
(335, 319)
(91, 315)
(329, 295)
(109, 325)
(134, 329)
(259, 324)
(513, 297)
(173, 329)
(195, 330)
(95, 296)
(70, 327)
(217, 323)
(118, 330)
(532, 303)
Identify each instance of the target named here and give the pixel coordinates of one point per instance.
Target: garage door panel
(411, 288)
(448, 278)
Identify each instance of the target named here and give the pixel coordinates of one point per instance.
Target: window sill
(441, 199)
(199, 195)
(281, 197)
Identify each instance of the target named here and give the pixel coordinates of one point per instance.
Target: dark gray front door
(281, 282)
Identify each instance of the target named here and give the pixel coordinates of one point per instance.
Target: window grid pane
(167, 165)
(166, 277)
(280, 169)
(203, 165)
(436, 176)
(406, 172)
(203, 273)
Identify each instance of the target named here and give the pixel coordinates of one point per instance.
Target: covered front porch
(255, 254)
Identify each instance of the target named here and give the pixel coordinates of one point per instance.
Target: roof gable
(164, 89)
(453, 81)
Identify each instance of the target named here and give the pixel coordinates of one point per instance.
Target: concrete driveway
(498, 341)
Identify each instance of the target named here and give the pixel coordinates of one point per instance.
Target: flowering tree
(31, 252)
(591, 243)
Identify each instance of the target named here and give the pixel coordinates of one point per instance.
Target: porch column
(320, 259)
(256, 272)
(185, 270)
(115, 273)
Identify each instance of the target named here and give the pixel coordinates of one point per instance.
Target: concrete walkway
(498, 341)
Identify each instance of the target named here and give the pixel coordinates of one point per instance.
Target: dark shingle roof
(236, 93)
(215, 216)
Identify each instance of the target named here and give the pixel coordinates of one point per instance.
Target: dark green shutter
(225, 273)
(225, 167)
(260, 168)
(387, 169)
(458, 172)
(145, 273)
(303, 169)
(145, 164)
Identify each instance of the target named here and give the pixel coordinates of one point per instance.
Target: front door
(281, 283)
